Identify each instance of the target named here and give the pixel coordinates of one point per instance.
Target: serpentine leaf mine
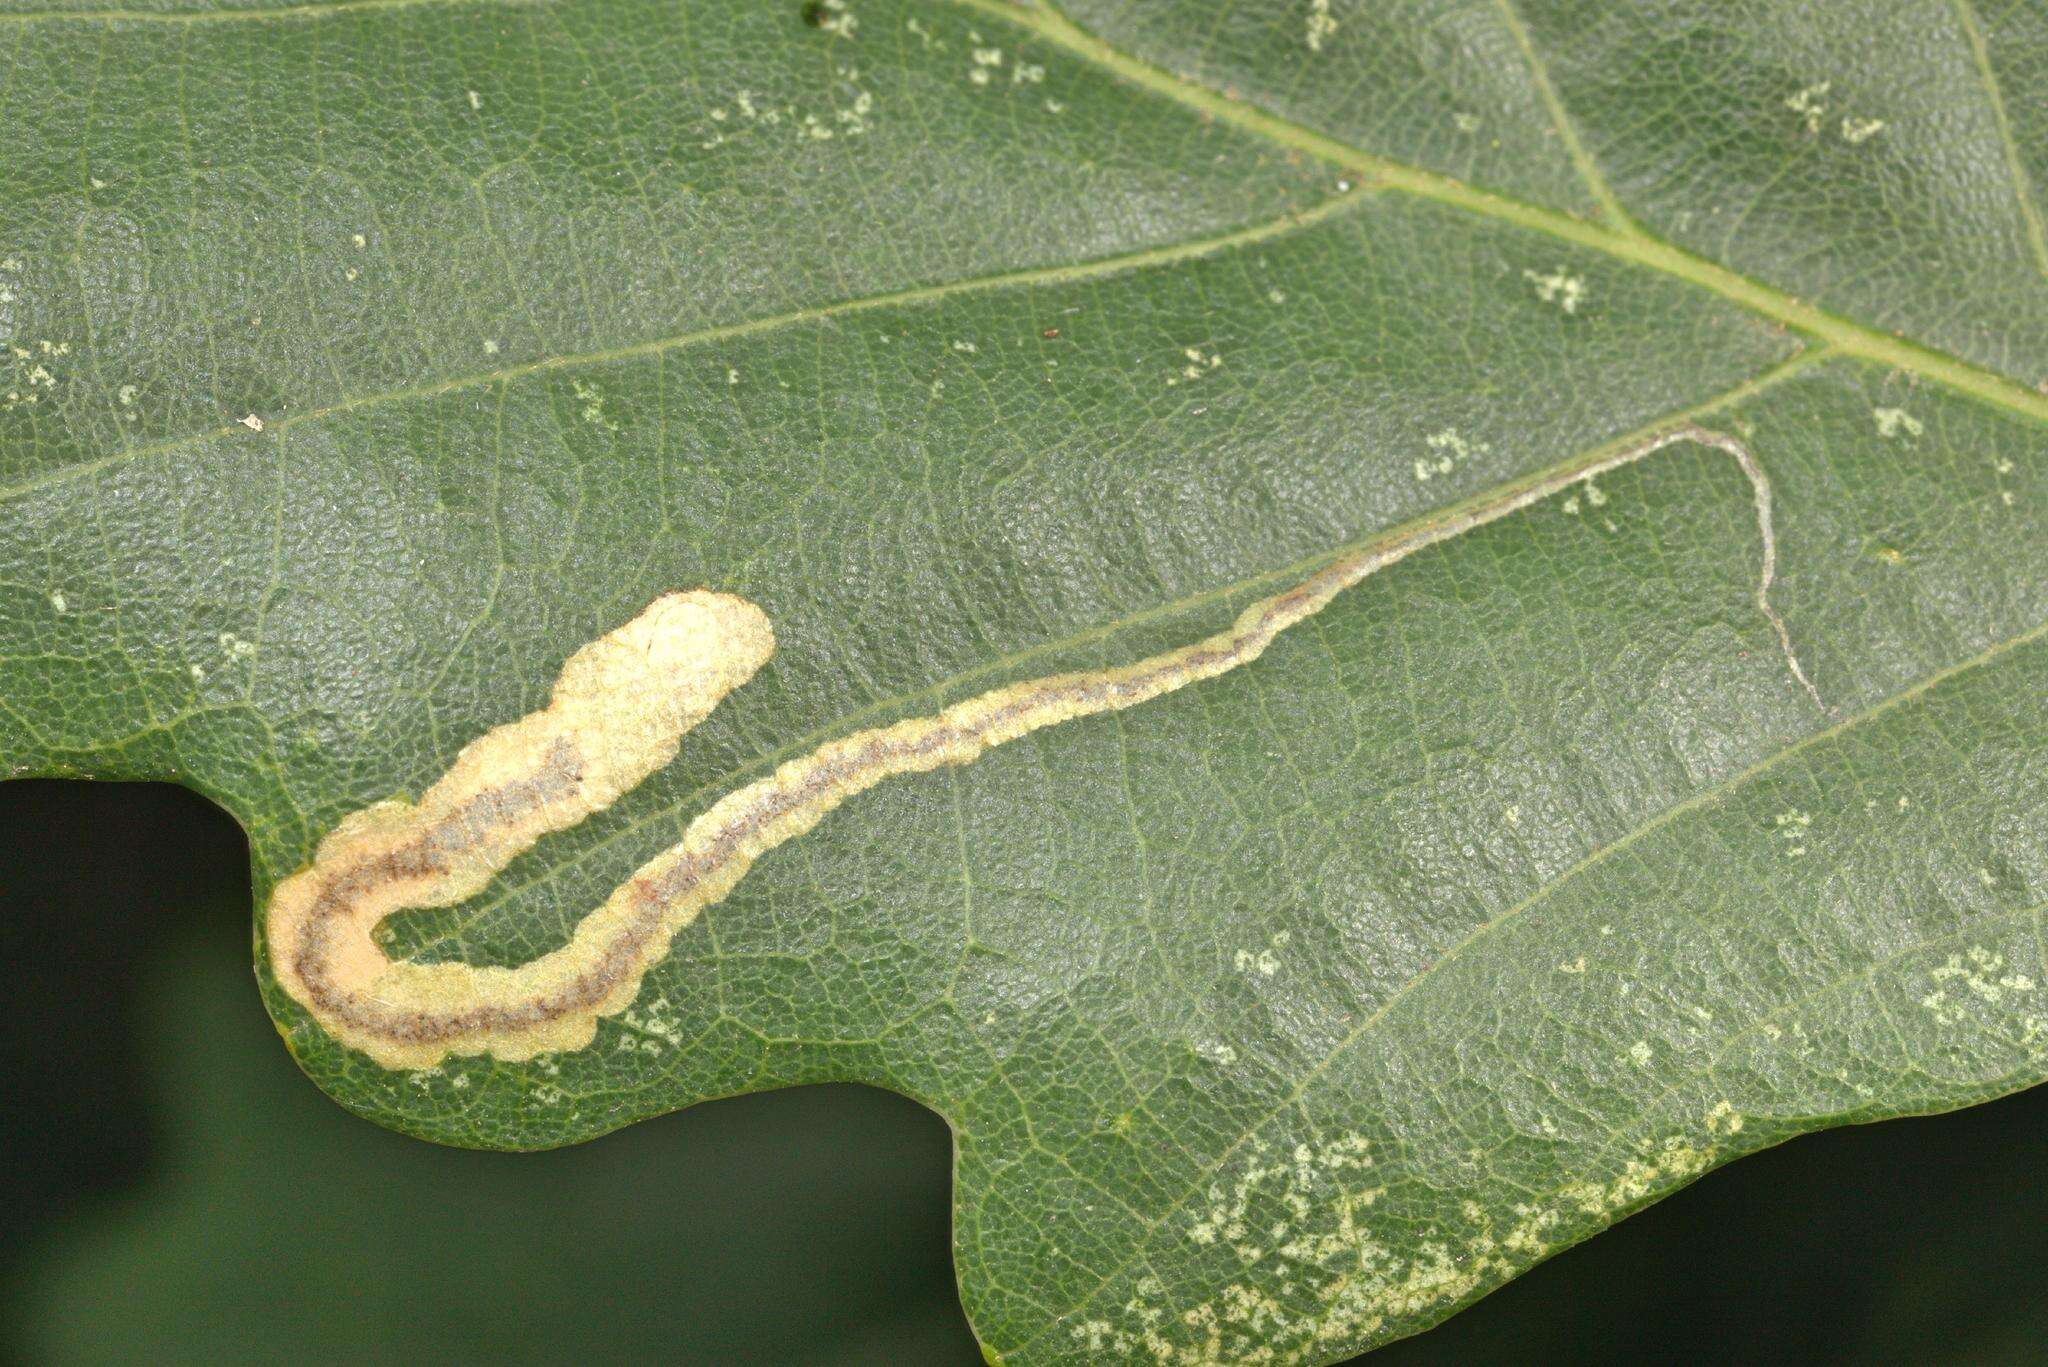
(619, 711)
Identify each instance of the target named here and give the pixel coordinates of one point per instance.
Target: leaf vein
(1637, 248)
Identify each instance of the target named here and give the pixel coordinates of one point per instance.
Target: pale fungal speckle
(837, 18)
(58, 603)
(31, 370)
(1658, 1164)
(848, 120)
(490, 345)
(1263, 962)
(1892, 421)
(593, 404)
(1978, 973)
(1792, 826)
(1308, 1272)
(476, 101)
(1196, 364)
(1321, 24)
(1640, 1053)
(2001, 467)
(619, 711)
(1806, 103)
(1447, 449)
(1559, 287)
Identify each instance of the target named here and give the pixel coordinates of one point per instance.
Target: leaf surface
(368, 359)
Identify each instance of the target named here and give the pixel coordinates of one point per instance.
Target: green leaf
(1660, 391)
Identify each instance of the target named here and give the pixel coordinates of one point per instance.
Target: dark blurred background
(179, 1193)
